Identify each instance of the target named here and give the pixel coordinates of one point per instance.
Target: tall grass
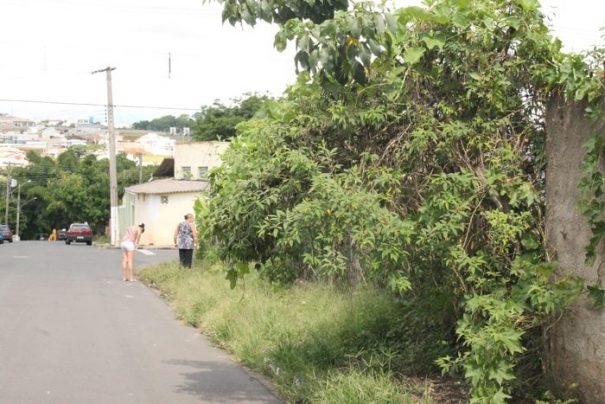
(317, 342)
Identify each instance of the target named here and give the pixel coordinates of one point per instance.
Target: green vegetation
(317, 342)
(213, 122)
(409, 155)
(164, 123)
(72, 188)
(218, 121)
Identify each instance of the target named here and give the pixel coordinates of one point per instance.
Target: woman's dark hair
(142, 226)
(188, 215)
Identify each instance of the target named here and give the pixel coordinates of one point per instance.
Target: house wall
(161, 218)
(196, 156)
(126, 212)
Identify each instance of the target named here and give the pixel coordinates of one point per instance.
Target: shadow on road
(215, 381)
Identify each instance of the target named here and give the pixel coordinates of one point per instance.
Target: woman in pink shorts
(130, 242)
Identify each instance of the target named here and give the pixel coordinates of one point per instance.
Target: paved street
(72, 332)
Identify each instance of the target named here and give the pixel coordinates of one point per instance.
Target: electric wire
(89, 104)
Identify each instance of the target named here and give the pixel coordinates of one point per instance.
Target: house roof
(168, 186)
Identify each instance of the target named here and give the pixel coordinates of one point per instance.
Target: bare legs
(124, 265)
(127, 266)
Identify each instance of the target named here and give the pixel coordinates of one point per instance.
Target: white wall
(196, 155)
(162, 218)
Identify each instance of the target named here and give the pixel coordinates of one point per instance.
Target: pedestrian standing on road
(185, 239)
(130, 242)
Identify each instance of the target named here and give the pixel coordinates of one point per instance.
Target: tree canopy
(163, 124)
(219, 121)
(72, 188)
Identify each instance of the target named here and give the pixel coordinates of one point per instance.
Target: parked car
(62, 234)
(6, 232)
(1, 238)
(80, 233)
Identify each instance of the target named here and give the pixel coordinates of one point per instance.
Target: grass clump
(318, 343)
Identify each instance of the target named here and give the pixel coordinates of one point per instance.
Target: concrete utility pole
(113, 178)
(18, 211)
(140, 155)
(8, 189)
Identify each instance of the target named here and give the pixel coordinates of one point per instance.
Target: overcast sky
(49, 48)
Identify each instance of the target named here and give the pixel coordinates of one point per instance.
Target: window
(186, 172)
(202, 172)
(164, 199)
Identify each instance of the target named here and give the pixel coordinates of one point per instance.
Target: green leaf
(280, 41)
(374, 47)
(462, 3)
(413, 55)
(242, 268)
(529, 5)
(596, 295)
(475, 76)
(232, 277)
(413, 13)
(432, 42)
(530, 243)
(354, 27)
(379, 23)
(391, 22)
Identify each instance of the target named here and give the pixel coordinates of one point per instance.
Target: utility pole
(113, 178)
(8, 188)
(140, 168)
(18, 210)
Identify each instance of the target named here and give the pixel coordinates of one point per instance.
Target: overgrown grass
(101, 239)
(317, 342)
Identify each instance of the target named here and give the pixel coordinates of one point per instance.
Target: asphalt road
(72, 332)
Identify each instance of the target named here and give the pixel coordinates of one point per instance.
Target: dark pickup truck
(79, 233)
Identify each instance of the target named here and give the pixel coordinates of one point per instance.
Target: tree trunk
(577, 341)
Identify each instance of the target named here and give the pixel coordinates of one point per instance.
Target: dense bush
(410, 154)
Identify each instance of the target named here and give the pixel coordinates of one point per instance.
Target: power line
(87, 104)
(126, 8)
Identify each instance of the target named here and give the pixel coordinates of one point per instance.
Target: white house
(161, 204)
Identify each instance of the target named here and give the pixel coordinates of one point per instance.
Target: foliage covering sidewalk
(318, 343)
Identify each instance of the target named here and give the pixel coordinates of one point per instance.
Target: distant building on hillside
(88, 126)
(9, 122)
(153, 143)
(75, 142)
(53, 122)
(12, 156)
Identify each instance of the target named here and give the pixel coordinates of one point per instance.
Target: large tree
(218, 121)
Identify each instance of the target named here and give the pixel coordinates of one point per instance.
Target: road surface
(72, 332)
